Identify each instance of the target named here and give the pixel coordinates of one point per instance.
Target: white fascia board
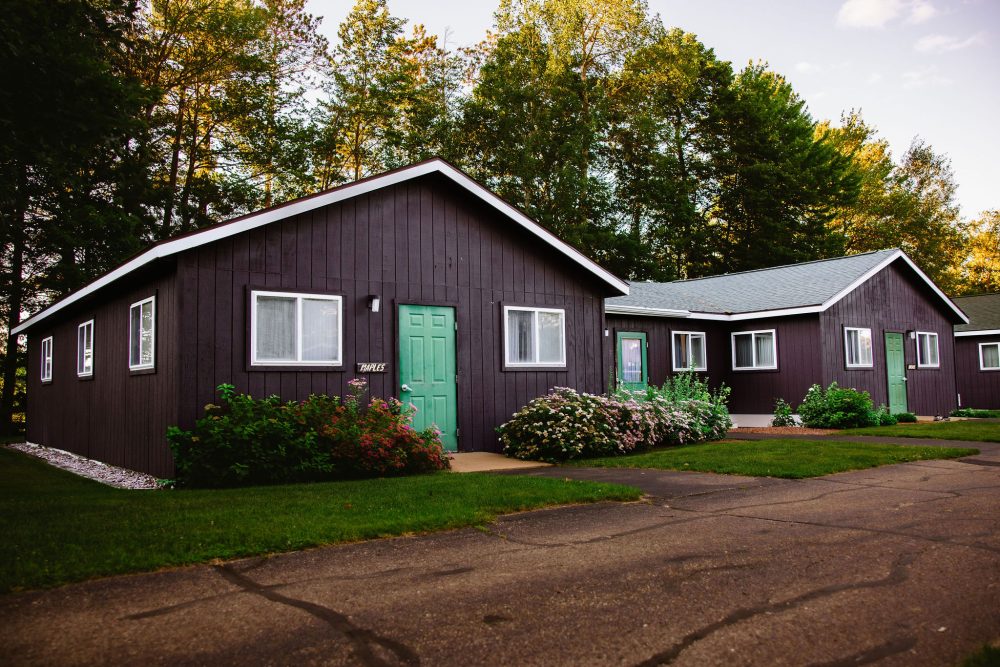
(255, 220)
(981, 332)
(645, 312)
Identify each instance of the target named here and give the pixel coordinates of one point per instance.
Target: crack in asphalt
(364, 642)
(874, 654)
(897, 575)
(590, 540)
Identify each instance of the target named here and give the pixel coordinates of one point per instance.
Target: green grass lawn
(57, 528)
(792, 459)
(982, 431)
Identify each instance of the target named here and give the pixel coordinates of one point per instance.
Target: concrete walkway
(489, 462)
(898, 565)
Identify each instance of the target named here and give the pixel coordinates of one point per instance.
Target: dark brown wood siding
(894, 300)
(116, 416)
(421, 242)
(978, 388)
(754, 392)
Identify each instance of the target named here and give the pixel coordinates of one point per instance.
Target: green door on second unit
(895, 367)
(427, 368)
(632, 372)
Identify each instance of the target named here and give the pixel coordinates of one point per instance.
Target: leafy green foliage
(59, 528)
(245, 441)
(783, 414)
(882, 417)
(905, 417)
(837, 407)
(976, 414)
(566, 424)
(788, 458)
(982, 431)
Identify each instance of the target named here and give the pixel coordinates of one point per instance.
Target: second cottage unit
(873, 321)
(977, 352)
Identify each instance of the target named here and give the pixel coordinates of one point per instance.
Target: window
(142, 335)
(535, 336)
(85, 349)
(47, 359)
(754, 350)
(927, 350)
(858, 347)
(689, 351)
(288, 329)
(989, 356)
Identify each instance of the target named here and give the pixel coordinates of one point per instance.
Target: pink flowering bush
(566, 424)
(243, 441)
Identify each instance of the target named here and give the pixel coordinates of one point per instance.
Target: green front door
(895, 366)
(427, 368)
(632, 372)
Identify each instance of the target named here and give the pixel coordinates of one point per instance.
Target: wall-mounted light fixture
(374, 301)
(911, 334)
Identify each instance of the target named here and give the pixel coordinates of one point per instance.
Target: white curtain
(520, 336)
(275, 328)
(991, 356)
(631, 360)
(550, 338)
(319, 330)
(765, 349)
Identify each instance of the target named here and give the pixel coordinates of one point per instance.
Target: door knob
(405, 387)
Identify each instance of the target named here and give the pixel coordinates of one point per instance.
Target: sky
(927, 68)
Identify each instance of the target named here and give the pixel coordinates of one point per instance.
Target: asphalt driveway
(899, 564)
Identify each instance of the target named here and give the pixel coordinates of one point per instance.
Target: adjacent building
(977, 352)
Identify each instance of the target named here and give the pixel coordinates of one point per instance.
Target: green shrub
(905, 417)
(882, 417)
(976, 414)
(836, 407)
(783, 414)
(244, 441)
(566, 424)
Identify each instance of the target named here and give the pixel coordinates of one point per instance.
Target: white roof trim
(255, 220)
(980, 332)
(804, 310)
(646, 312)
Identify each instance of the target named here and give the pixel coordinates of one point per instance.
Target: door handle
(405, 388)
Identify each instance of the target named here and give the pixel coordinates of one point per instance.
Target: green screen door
(427, 368)
(632, 373)
(895, 367)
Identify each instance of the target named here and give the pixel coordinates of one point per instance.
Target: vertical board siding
(978, 388)
(420, 242)
(894, 300)
(799, 364)
(116, 417)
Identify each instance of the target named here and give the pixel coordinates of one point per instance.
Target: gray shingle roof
(983, 312)
(778, 288)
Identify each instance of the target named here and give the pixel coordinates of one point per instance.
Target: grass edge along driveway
(973, 430)
(58, 528)
(790, 459)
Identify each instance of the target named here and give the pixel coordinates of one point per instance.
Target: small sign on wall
(370, 367)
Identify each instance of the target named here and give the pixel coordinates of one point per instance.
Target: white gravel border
(121, 478)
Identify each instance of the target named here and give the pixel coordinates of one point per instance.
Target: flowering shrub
(244, 441)
(566, 424)
(783, 414)
(837, 407)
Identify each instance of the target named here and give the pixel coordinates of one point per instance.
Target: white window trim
(937, 345)
(79, 350)
(535, 364)
(152, 364)
(47, 356)
(755, 367)
(673, 350)
(847, 363)
(982, 365)
(298, 296)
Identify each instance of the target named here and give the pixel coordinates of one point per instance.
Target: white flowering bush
(566, 424)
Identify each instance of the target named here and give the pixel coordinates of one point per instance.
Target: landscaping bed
(787, 458)
(59, 528)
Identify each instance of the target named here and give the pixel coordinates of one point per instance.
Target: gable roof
(809, 287)
(260, 218)
(984, 315)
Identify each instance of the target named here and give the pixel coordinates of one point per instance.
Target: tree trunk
(15, 301)
(168, 206)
